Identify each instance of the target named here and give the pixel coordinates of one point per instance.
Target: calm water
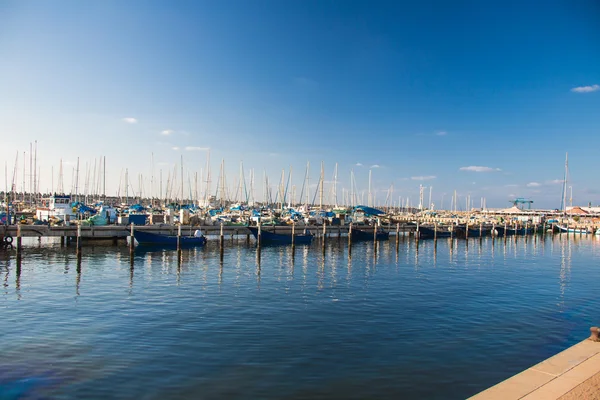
(441, 321)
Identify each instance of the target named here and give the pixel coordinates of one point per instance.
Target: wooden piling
(417, 234)
(19, 239)
(179, 237)
(544, 229)
(131, 239)
(293, 238)
(293, 233)
(78, 243)
(62, 241)
(480, 230)
(350, 238)
(258, 236)
(435, 231)
(78, 236)
(467, 229)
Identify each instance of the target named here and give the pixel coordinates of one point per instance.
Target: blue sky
(424, 91)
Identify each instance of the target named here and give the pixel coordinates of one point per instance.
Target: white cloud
(442, 133)
(555, 182)
(358, 164)
(475, 168)
(375, 166)
(586, 89)
(534, 184)
(130, 120)
(195, 148)
(167, 132)
(175, 148)
(422, 178)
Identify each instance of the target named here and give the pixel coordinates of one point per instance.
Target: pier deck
(571, 374)
(120, 231)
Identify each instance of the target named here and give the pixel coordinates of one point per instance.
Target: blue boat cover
(369, 211)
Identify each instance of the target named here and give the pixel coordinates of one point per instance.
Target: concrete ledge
(551, 378)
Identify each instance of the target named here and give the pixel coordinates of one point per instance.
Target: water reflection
(367, 305)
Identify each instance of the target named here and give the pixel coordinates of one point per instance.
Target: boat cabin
(57, 206)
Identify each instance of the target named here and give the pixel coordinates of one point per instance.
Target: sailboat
(562, 228)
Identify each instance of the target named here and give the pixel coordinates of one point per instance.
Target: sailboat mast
(77, 181)
(104, 181)
(160, 187)
(564, 199)
(35, 185)
(321, 186)
(181, 203)
(335, 199)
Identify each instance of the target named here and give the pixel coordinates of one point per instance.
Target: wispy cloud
(555, 182)
(196, 148)
(586, 89)
(422, 178)
(441, 133)
(358, 164)
(534, 184)
(175, 148)
(511, 185)
(130, 120)
(167, 132)
(476, 168)
(375, 166)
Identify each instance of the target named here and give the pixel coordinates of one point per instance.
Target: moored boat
(427, 232)
(358, 234)
(268, 237)
(155, 239)
(566, 229)
(499, 231)
(482, 230)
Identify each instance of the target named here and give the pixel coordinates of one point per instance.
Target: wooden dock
(122, 232)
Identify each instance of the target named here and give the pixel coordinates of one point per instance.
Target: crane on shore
(521, 200)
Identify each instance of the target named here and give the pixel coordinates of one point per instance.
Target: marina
(299, 200)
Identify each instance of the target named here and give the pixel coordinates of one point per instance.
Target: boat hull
(430, 233)
(572, 230)
(360, 235)
(499, 231)
(461, 232)
(267, 237)
(154, 239)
